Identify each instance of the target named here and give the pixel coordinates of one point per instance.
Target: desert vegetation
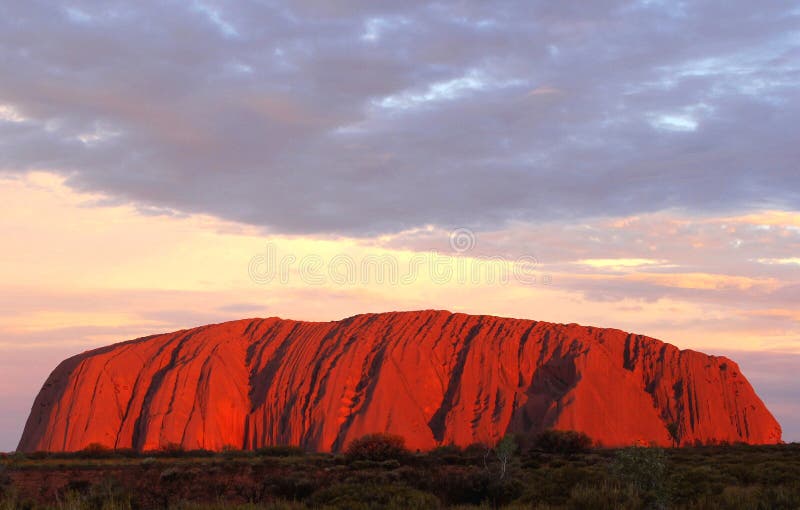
(555, 470)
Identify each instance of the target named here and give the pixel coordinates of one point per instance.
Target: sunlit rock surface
(431, 376)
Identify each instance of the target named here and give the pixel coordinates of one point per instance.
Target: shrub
(447, 453)
(464, 485)
(471, 485)
(170, 450)
(780, 497)
(96, 451)
(108, 494)
(475, 449)
(180, 452)
(293, 485)
(562, 441)
(552, 484)
(170, 474)
(5, 480)
(377, 447)
(78, 486)
(366, 497)
(148, 462)
(603, 497)
(231, 452)
(644, 469)
(281, 451)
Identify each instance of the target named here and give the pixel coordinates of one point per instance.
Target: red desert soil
(431, 376)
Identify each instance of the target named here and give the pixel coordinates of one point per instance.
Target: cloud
(619, 263)
(360, 118)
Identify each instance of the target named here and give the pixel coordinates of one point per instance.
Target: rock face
(430, 376)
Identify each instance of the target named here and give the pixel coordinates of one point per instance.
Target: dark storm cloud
(366, 117)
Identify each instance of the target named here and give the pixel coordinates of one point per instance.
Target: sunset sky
(638, 160)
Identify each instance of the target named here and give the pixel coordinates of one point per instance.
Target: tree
(505, 450)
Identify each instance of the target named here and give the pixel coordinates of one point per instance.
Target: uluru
(433, 377)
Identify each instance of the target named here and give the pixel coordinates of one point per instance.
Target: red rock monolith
(431, 376)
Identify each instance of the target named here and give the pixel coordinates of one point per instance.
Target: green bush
(280, 451)
(644, 469)
(377, 447)
(552, 485)
(449, 454)
(780, 497)
(368, 497)
(170, 450)
(95, 451)
(170, 474)
(294, 486)
(108, 494)
(148, 462)
(468, 485)
(562, 441)
(471, 485)
(750, 498)
(603, 497)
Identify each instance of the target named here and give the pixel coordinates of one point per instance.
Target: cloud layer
(373, 117)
